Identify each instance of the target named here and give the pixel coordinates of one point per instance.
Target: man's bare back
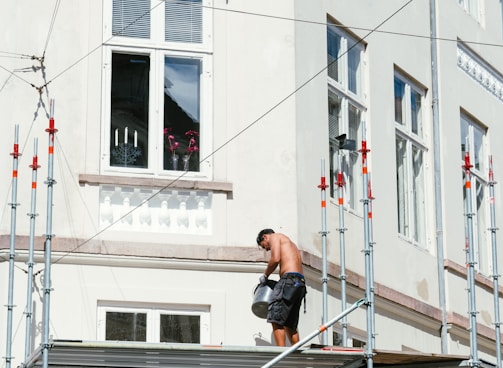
(284, 253)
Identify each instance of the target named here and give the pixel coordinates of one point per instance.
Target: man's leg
(279, 334)
(293, 336)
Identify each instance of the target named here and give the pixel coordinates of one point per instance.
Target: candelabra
(126, 153)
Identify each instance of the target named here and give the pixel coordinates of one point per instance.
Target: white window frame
(153, 313)
(412, 222)
(473, 7)
(351, 338)
(157, 49)
(350, 162)
(479, 186)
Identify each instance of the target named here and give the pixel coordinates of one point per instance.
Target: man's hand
(263, 279)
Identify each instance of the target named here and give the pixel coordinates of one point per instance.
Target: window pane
(478, 148)
(126, 326)
(184, 21)
(418, 195)
(354, 122)
(481, 230)
(401, 183)
(129, 110)
(334, 115)
(415, 104)
(355, 185)
(334, 54)
(334, 127)
(180, 328)
(131, 18)
(181, 112)
(399, 101)
(354, 68)
(464, 127)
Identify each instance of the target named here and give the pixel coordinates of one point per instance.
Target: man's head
(260, 236)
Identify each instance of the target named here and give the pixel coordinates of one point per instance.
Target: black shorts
(286, 300)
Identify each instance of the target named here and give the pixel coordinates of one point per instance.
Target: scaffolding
(48, 237)
(12, 249)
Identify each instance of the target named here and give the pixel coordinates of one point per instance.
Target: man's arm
(275, 255)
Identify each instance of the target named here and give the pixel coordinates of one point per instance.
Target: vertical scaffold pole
(12, 251)
(340, 184)
(29, 292)
(471, 260)
(367, 252)
(324, 278)
(48, 236)
(371, 246)
(495, 275)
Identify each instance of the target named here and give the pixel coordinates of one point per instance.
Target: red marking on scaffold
(35, 164)
(364, 149)
(323, 328)
(14, 173)
(15, 154)
(51, 128)
(364, 169)
(33, 185)
(51, 150)
(370, 214)
(323, 204)
(340, 180)
(341, 201)
(467, 166)
(323, 184)
(468, 185)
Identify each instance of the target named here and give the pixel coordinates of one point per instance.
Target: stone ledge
(214, 186)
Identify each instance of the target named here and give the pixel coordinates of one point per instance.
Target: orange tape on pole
(14, 173)
(51, 150)
(341, 201)
(323, 204)
(33, 185)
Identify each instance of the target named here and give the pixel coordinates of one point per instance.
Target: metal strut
(47, 267)
(315, 333)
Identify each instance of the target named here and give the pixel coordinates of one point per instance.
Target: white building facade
(185, 127)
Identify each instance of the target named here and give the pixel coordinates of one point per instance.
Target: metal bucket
(261, 297)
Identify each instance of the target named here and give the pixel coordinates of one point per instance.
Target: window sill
(214, 186)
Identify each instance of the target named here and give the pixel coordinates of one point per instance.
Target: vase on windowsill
(174, 162)
(186, 162)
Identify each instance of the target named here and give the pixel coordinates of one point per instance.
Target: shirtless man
(287, 295)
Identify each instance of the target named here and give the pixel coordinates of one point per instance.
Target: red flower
(192, 147)
(173, 145)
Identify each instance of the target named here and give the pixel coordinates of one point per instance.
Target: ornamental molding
(480, 72)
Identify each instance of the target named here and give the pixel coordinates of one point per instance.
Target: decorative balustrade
(167, 211)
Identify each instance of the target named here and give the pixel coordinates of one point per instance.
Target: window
(155, 324)
(472, 7)
(410, 160)
(158, 58)
(352, 340)
(345, 111)
(473, 140)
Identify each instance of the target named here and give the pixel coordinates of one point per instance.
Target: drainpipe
(437, 176)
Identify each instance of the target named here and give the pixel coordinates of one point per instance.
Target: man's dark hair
(261, 234)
